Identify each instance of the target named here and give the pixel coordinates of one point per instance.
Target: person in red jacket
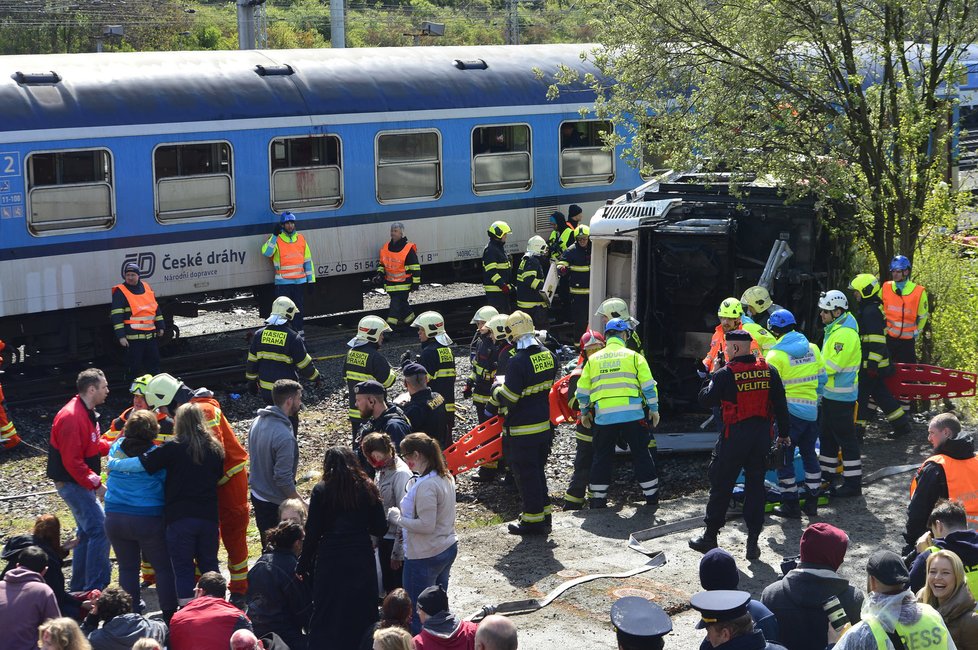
(208, 621)
(75, 464)
(440, 628)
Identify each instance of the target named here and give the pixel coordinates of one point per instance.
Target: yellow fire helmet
(284, 307)
(138, 386)
(757, 297)
(497, 326)
(498, 229)
(518, 324)
(865, 284)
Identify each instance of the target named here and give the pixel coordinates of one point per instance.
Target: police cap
(637, 619)
(738, 335)
(719, 606)
(414, 369)
(370, 387)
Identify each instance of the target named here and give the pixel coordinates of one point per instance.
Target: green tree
(844, 100)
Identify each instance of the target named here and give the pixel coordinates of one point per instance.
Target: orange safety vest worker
(143, 307)
(291, 259)
(395, 272)
(902, 311)
(962, 482)
(713, 360)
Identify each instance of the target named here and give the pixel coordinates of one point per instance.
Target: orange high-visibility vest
(901, 311)
(717, 345)
(962, 482)
(291, 259)
(235, 456)
(143, 308)
(394, 262)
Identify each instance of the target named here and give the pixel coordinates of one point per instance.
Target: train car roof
(117, 89)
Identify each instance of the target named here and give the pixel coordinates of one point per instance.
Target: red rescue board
(919, 381)
(560, 410)
(483, 444)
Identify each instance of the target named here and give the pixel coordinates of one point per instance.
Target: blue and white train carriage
(182, 162)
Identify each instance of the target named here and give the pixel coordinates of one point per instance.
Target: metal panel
(64, 207)
(418, 180)
(193, 197)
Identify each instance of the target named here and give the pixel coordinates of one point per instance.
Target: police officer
(757, 308)
(639, 624)
(751, 398)
(497, 270)
(842, 354)
(906, 306)
(575, 265)
(799, 363)
(377, 415)
(276, 353)
(364, 362)
(504, 352)
(399, 270)
(292, 260)
(437, 358)
(426, 410)
(137, 322)
(616, 308)
(523, 400)
(728, 623)
(530, 277)
(8, 432)
(591, 342)
(617, 392)
(875, 357)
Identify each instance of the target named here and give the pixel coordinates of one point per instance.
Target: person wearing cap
(399, 270)
(616, 308)
(574, 498)
(496, 632)
(497, 270)
(751, 399)
(8, 432)
(799, 363)
(876, 364)
(439, 360)
(137, 322)
(364, 362)
(725, 616)
(440, 628)
(798, 598)
(523, 400)
(377, 415)
(892, 618)
(639, 624)
(292, 260)
(575, 266)
(530, 277)
(574, 215)
(718, 571)
(617, 393)
(426, 408)
(906, 307)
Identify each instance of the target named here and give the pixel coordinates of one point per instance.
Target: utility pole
(512, 22)
(337, 23)
(247, 24)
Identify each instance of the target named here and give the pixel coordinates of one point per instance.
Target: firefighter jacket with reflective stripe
(928, 633)
(617, 384)
(750, 394)
(962, 482)
(276, 353)
(291, 257)
(135, 312)
(906, 310)
(118, 425)
(842, 355)
(871, 323)
(365, 363)
(399, 265)
(506, 353)
(568, 235)
(524, 399)
(800, 365)
(529, 282)
(439, 361)
(762, 337)
(235, 456)
(496, 268)
(577, 260)
(484, 360)
(714, 360)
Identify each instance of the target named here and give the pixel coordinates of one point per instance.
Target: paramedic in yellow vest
(906, 309)
(293, 265)
(399, 271)
(137, 322)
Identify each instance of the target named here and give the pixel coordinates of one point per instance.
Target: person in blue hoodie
(134, 514)
(799, 362)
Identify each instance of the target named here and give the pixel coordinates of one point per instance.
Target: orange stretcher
(923, 382)
(560, 410)
(483, 444)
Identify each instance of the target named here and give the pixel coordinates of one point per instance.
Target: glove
(654, 418)
(394, 516)
(701, 370)
(506, 288)
(563, 270)
(253, 387)
(406, 358)
(467, 391)
(278, 230)
(586, 419)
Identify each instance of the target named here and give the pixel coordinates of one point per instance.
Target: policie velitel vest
(142, 307)
(753, 382)
(962, 482)
(928, 633)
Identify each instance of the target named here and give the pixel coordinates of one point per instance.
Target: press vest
(928, 633)
(962, 482)
(394, 263)
(291, 259)
(753, 382)
(901, 310)
(799, 375)
(143, 308)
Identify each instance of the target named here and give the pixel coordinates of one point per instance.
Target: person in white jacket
(391, 474)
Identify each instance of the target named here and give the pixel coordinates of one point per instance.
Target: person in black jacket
(426, 410)
(278, 601)
(949, 531)
(438, 359)
(575, 266)
(378, 416)
(364, 362)
(497, 270)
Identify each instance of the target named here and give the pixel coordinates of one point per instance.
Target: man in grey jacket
(274, 454)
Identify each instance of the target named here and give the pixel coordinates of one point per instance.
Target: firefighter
(426, 410)
(574, 214)
(137, 322)
(504, 351)
(616, 308)
(497, 271)
(166, 393)
(730, 314)
(399, 270)
(364, 362)
(507, 350)
(293, 265)
(799, 363)
(276, 353)
(138, 390)
(577, 491)
(575, 265)
(841, 353)
(751, 397)
(523, 401)
(437, 358)
(8, 432)
(757, 307)
(617, 393)
(558, 224)
(875, 358)
(483, 358)
(530, 277)
(906, 307)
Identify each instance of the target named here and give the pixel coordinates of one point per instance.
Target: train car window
(501, 158)
(69, 191)
(408, 166)
(306, 173)
(193, 181)
(583, 160)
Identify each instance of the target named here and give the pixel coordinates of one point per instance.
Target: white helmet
(284, 307)
(613, 308)
(484, 314)
(833, 299)
(518, 324)
(431, 322)
(497, 326)
(537, 245)
(370, 328)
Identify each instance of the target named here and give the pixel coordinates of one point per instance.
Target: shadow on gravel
(531, 560)
(609, 522)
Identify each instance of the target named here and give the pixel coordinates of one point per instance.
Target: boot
(900, 428)
(570, 504)
(652, 503)
(485, 474)
(788, 510)
(753, 550)
(850, 488)
(521, 527)
(597, 504)
(811, 505)
(705, 542)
